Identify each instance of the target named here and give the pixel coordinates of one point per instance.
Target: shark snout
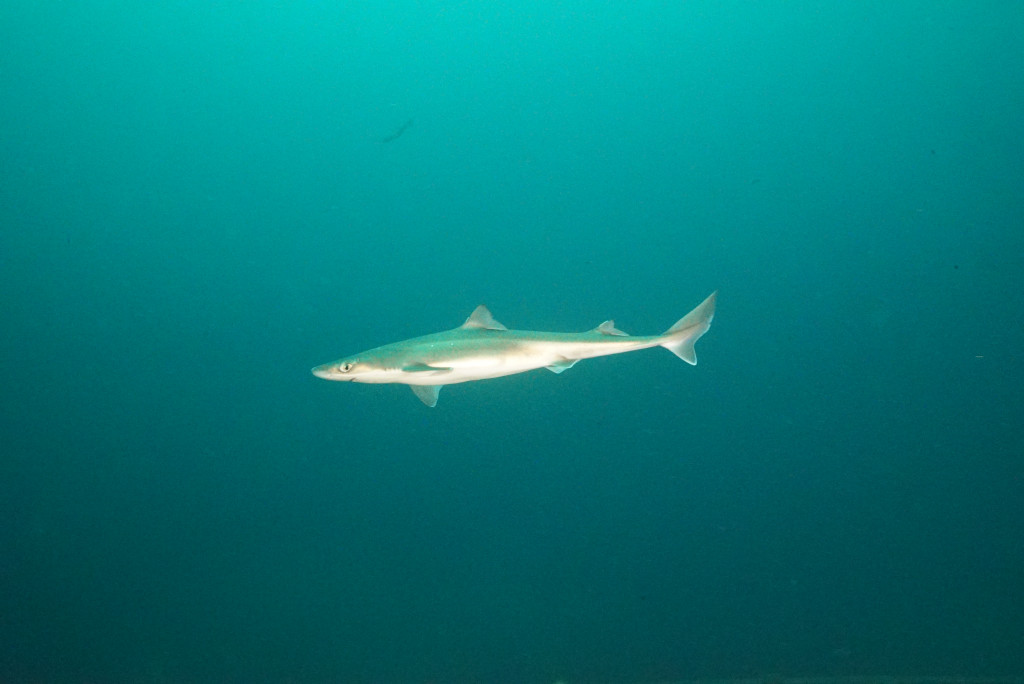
(328, 371)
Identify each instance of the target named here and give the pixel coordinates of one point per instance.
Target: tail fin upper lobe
(680, 338)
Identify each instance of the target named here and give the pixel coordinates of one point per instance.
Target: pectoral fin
(427, 393)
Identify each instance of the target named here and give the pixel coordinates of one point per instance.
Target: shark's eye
(345, 367)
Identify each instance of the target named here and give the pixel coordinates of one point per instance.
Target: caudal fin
(680, 338)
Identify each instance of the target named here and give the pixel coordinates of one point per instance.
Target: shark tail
(680, 338)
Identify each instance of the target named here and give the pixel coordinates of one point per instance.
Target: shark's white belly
(467, 365)
(471, 368)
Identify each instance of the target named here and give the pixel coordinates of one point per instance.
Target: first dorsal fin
(608, 328)
(482, 319)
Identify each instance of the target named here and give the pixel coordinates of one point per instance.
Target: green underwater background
(200, 201)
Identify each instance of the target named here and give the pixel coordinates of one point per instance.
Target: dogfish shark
(483, 348)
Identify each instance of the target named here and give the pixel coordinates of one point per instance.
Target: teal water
(199, 201)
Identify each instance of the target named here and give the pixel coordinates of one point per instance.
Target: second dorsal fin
(608, 328)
